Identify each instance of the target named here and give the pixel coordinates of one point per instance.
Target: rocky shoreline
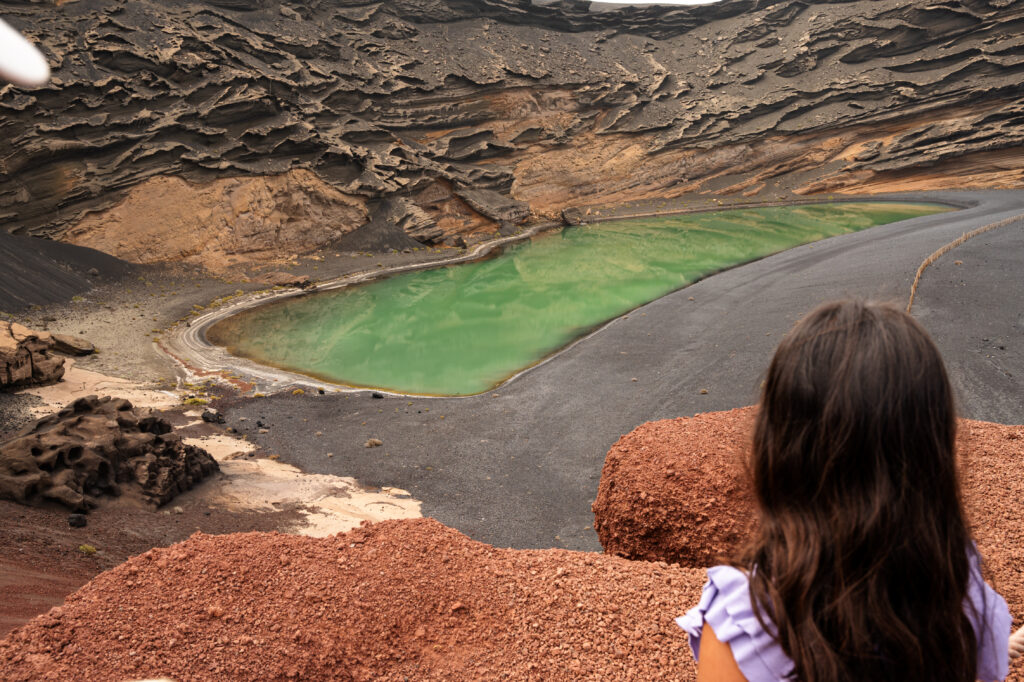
(188, 346)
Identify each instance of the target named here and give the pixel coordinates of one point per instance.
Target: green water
(463, 329)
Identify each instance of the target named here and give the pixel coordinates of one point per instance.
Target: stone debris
(212, 416)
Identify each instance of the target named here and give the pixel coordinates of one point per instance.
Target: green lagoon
(464, 329)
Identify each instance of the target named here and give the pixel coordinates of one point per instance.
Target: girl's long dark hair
(859, 565)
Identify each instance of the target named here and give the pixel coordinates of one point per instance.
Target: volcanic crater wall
(474, 113)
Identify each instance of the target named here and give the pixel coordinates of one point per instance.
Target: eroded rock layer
(98, 447)
(476, 112)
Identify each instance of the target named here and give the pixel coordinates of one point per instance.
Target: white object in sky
(20, 62)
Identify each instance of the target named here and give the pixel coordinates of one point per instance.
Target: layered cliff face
(472, 113)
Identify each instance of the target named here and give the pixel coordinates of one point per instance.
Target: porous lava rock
(218, 131)
(25, 357)
(95, 447)
(396, 600)
(676, 490)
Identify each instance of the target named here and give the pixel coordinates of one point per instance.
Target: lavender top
(725, 605)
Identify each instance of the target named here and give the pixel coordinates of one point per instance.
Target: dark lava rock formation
(99, 446)
(219, 131)
(25, 358)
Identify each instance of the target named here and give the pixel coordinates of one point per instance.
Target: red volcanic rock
(390, 601)
(675, 490)
(992, 466)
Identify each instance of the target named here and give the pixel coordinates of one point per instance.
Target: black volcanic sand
(519, 466)
(972, 301)
(41, 271)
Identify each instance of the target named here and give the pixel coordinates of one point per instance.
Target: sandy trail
(78, 383)
(328, 504)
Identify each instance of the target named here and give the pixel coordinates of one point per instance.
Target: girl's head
(861, 555)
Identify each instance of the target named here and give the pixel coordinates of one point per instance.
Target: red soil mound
(392, 601)
(674, 490)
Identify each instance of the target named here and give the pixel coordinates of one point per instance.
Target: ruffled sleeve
(725, 605)
(992, 623)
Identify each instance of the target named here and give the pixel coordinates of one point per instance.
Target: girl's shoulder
(990, 617)
(725, 605)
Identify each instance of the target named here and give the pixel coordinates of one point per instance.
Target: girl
(862, 568)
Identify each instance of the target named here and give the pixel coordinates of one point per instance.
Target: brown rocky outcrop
(221, 222)
(476, 112)
(25, 358)
(96, 447)
(285, 279)
(72, 345)
(396, 600)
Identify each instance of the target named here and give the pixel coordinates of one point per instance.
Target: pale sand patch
(78, 383)
(330, 504)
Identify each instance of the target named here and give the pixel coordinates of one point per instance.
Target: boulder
(572, 216)
(496, 206)
(25, 357)
(72, 345)
(96, 447)
(675, 490)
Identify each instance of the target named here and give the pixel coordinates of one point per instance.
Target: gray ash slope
(553, 104)
(40, 271)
